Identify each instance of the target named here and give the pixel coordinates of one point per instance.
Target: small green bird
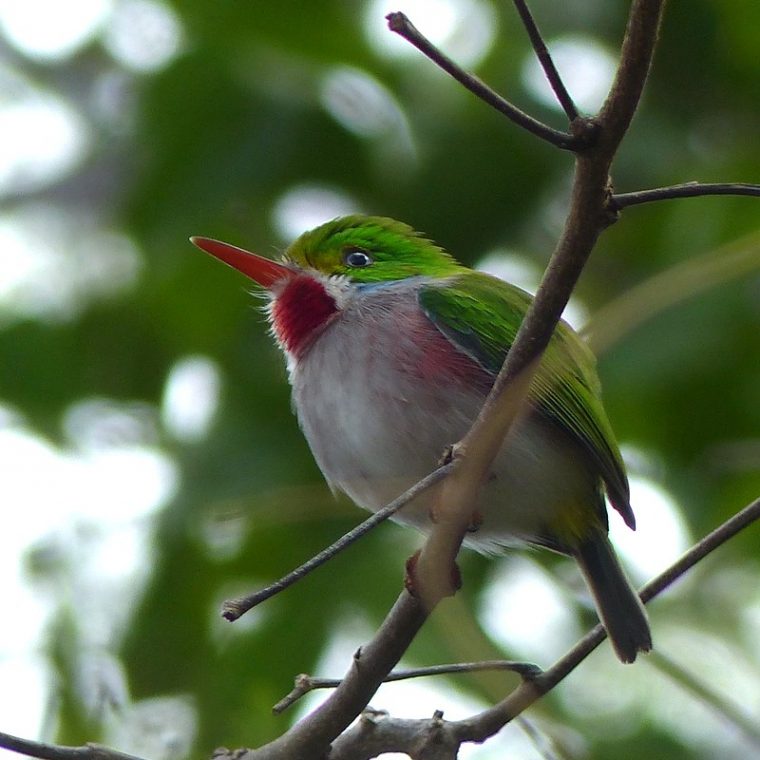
(392, 347)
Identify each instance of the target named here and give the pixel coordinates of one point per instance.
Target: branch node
(545, 59)
(585, 131)
(370, 716)
(610, 208)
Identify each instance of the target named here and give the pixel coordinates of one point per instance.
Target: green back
(480, 315)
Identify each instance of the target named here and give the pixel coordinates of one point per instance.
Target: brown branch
(636, 56)
(305, 683)
(310, 738)
(399, 23)
(545, 59)
(232, 609)
(46, 751)
(686, 190)
(378, 733)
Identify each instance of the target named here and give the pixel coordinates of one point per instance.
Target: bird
(392, 346)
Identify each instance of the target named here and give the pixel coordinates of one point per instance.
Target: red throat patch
(300, 311)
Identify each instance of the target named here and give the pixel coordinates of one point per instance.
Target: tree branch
(636, 56)
(545, 59)
(377, 733)
(58, 752)
(399, 23)
(305, 683)
(686, 190)
(232, 609)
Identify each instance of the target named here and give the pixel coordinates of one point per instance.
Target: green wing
(480, 315)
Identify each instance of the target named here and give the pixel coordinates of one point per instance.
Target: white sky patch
(586, 68)
(162, 728)
(100, 424)
(519, 270)
(51, 29)
(642, 693)
(464, 29)
(23, 709)
(191, 397)
(82, 513)
(661, 534)
(523, 609)
(143, 35)
(303, 207)
(357, 101)
(55, 262)
(42, 137)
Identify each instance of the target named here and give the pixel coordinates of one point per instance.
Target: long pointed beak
(263, 271)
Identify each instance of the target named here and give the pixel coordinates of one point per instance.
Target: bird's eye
(356, 258)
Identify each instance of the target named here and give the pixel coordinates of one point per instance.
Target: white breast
(377, 422)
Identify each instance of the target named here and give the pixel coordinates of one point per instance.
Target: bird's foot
(411, 568)
(450, 453)
(476, 521)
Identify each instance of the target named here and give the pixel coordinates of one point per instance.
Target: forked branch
(399, 23)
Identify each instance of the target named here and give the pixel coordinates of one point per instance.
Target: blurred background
(150, 466)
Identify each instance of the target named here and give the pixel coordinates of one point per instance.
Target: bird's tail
(619, 607)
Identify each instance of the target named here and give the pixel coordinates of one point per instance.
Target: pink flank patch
(300, 311)
(439, 359)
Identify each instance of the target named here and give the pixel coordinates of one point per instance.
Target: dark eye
(356, 258)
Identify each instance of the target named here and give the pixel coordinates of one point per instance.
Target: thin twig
(232, 609)
(545, 59)
(686, 190)
(700, 550)
(636, 55)
(399, 23)
(305, 683)
(58, 752)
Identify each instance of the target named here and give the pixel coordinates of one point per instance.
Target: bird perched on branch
(392, 347)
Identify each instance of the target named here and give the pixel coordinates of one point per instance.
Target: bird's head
(355, 249)
(327, 266)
